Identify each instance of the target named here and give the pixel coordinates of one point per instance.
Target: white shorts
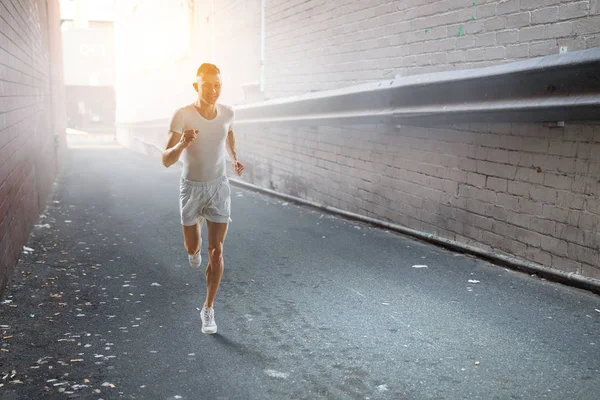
(210, 200)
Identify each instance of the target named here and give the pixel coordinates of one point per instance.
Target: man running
(201, 132)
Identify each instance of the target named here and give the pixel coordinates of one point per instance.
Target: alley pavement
(103, 305)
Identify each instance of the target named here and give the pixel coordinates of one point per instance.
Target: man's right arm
(174, 149)
(177, 143)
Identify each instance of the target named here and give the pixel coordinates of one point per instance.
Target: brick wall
(31, 113)
(318, 44)
(515, 189)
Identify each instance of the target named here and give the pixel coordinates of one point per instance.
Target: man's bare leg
(214, 271)
(191, 238)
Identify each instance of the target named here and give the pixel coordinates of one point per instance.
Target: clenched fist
(188, 137)
(238, 167)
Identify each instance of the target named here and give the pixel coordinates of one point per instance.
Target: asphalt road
(311, 306)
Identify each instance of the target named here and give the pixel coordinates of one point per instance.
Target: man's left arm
(237, 165)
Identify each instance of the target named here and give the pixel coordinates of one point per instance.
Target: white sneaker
(195, 260)
(208, 320)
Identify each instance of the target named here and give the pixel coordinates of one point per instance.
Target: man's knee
(215, 252)
(192, 247)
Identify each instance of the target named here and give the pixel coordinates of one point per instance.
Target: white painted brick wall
(518, 189)
(318, 45)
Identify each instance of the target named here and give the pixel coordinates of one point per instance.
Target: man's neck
(208, 111)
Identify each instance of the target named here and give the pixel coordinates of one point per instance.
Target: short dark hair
(207, 68)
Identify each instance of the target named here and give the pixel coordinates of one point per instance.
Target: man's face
(208, 87)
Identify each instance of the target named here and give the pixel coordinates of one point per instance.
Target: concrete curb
(515, 263)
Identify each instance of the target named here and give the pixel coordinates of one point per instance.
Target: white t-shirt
(204, 159)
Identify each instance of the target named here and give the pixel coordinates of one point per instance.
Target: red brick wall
(31, 118)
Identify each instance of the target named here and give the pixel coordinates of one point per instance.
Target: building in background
(157, 58)
(160, 45)
(89, 61)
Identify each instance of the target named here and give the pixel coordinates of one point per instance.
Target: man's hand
(238, 167)
(188, 137)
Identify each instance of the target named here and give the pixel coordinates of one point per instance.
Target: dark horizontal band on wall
(562, 87)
